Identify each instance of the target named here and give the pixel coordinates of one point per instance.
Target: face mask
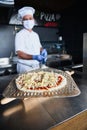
(28, 24)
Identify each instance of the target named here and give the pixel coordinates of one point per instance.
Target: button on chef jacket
(29, 43)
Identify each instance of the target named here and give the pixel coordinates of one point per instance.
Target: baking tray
(70, 90)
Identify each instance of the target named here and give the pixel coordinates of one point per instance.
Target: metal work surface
(41, 113)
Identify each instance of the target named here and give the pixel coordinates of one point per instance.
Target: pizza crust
(41, 81)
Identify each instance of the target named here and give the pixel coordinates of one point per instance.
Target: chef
(27, 43)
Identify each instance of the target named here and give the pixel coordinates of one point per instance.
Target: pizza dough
(40, 81)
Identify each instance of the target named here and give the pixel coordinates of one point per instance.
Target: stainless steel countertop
(11, 62)
(41, 113)
(5, 66)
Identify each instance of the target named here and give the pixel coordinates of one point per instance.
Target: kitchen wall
(73, 25)
(6, 40)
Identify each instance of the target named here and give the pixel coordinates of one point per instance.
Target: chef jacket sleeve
(19, 43)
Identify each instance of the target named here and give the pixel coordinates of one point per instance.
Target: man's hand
(44, 53)
(38, 57)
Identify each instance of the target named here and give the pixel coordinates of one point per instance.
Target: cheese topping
(40, 81)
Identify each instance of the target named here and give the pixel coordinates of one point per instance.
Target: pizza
(40, 81)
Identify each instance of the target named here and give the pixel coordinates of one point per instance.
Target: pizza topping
(39, 80)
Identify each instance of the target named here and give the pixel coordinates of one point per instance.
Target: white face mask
(28, 24)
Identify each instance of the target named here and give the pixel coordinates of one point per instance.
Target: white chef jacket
(29, 43)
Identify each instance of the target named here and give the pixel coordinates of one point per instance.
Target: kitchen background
(71, 24)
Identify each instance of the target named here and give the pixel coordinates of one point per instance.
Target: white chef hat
(25, 11)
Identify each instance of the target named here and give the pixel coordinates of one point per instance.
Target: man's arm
(23, 55)
(41, 49)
